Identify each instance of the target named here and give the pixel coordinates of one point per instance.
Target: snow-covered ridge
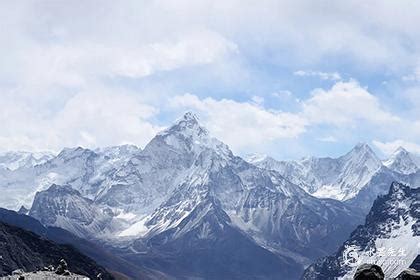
(339, 178)
(15, 160)
(187, 188)
(184, 185)
(402, 161)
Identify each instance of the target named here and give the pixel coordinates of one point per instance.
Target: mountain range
(355, 178)
(186, 207)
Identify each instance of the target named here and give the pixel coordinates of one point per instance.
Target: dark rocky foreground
(49, 272)
(26, 251)
(118, 267)
(43, 275)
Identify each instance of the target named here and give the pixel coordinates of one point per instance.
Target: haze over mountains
(185, 206)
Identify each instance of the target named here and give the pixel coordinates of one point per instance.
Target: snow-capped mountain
(389, 238)
(184, 191)
(86, 170)
(402, 161)
(16, 160)
(64, 207)
(259, 202)
(356, 178)
(185, 202)
(338, 178)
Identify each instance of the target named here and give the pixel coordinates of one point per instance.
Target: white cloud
(258, 100)
(414, 76)
(58, 59)
(88, 119)
(333, 76)
(203, 47)
(345, 103)
(389, 147)
(79, 64)
(241, 124)
(330, 139)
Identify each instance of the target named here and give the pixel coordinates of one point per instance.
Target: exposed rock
(26, 251)
(44, 275)
(18, 272)
(62, 268)
(409, 274)
(369, 272)
(23, 210)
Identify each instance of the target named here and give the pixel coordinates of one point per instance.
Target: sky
(284, 78)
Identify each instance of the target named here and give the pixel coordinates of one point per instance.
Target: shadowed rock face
(416, 263)
(94, 251)
(374, 272)
(25, 250)
(369, 272)
(409, 274)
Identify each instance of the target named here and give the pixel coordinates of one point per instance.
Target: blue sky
(285, 78)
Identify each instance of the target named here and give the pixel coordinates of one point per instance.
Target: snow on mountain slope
(186, 187)
(277, 214)
(401, 161)
(84, 169)
(64, 207)
(16, 160)
(205, 245)
(163, 164)
(389, 238)
(340, 178)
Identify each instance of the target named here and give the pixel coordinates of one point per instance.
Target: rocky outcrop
(374, 272)
(393, 222)
(21, 249)
(369, 271)
(409, 274)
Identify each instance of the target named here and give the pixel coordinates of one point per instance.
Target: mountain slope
(206, 245)
(25, 250)
(186, 188)
(16, 160)
(356, 178)
(392, 224)
(95, 251)
(340, 178)
(64, 207)
(402, 162)
(86, 170)
(222, 198)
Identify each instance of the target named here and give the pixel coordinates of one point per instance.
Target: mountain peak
(187, 124)
(401, 161)
(67, 153)
(362, 152)
(400, 149)
(188, 135)
(62, 189)
(190, 117)
(362, 146)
